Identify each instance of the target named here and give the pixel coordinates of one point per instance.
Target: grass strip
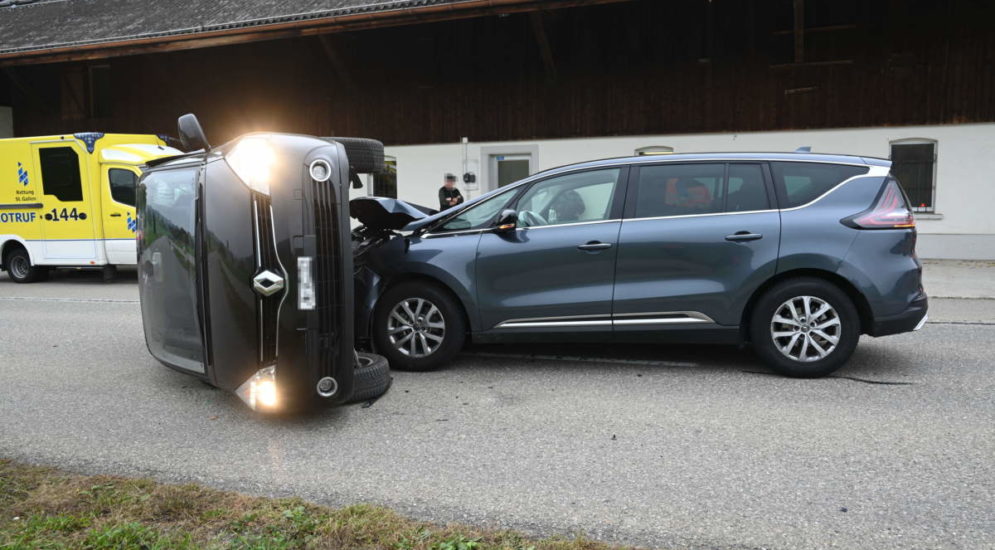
(45, 508)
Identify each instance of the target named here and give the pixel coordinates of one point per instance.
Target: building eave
(255, 31)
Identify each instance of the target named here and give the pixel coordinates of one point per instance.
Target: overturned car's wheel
(418, 326)
(371, 378)
(805, 327)
(365, 155)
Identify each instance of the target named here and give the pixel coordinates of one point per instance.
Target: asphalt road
(669, 446)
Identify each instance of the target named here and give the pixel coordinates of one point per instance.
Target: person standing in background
(449, 196)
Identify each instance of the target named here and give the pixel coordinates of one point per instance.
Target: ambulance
(69, 201)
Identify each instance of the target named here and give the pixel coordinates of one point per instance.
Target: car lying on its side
(796, 253)
(245, 268)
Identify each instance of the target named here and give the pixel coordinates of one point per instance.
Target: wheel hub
(806, 329)
(416, 327)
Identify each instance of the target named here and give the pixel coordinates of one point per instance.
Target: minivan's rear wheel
(805, 327)
(418, 326)
(19, 267)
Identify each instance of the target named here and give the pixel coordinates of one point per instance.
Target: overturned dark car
(245, 267)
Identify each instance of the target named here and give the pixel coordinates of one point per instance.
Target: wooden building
(555, 80)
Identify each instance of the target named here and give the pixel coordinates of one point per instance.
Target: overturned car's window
(167, 203)
(481, 215)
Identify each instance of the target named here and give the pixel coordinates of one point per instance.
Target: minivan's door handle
(116, 215)
(594, 246)
(741, 236)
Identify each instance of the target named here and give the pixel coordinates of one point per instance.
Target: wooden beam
(539, 30)
(308, 27)
(799, 6)
(338, 64)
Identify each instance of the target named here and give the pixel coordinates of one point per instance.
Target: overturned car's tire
(365, 155)
(371, 379)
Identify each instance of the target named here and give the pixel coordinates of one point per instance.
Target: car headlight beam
(253, 159)
(259, 392)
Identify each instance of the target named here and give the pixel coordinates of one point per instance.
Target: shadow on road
(868, 364)
(92, 276)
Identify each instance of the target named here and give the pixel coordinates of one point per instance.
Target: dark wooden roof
(58, 30)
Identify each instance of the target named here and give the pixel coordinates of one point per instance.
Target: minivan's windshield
(167, 203)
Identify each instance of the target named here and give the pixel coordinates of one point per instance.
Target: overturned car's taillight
(889, 211)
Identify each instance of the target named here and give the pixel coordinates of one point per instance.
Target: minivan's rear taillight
(889, 211)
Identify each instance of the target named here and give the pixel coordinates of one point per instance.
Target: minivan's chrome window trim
(621, 319)
(592, 222)
(873, 172)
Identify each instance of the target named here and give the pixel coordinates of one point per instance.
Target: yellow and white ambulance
(69, 200)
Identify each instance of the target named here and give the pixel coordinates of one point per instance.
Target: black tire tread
(35, 273)
(365, 155)
(370, 380)
(776, 295)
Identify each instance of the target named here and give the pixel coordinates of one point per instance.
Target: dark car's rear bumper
(911, 319)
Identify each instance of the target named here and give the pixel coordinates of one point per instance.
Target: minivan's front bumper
(909, 320)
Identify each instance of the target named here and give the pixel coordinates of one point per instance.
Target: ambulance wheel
(371, 378)
(19, 267)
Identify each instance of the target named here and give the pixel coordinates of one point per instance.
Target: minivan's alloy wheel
(416, 327)
(805, 328)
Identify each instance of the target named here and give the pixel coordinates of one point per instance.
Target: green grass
(44, 508)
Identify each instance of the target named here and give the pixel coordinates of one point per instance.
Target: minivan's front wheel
(805, 327)
(418, 326)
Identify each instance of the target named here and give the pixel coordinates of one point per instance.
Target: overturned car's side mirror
(192, 135)
(508, 220)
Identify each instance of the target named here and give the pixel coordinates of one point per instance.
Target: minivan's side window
(480, 215)
(746, 190)
(799, 183)
(573, 198)
(60, 173)
(679, 190)
(122, 184)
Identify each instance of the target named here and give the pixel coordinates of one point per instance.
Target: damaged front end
(383, 223)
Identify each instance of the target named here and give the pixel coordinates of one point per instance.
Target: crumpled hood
(384, 213)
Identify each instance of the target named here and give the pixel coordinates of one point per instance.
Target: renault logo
(267, 283)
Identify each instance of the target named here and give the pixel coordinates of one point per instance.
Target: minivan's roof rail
(804, 149)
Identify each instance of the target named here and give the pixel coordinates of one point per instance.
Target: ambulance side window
(60, 173)
(122, 184)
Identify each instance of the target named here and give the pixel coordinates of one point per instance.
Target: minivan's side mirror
(191, 134)
(508, 220)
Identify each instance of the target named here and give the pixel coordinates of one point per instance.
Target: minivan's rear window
(799, 183)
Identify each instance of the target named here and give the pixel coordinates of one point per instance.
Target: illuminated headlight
(253, 159)
(305, 284)
(259, 392)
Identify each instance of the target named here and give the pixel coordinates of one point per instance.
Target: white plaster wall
(965, 179)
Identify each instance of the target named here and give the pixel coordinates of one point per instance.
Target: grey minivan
(797, 254)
